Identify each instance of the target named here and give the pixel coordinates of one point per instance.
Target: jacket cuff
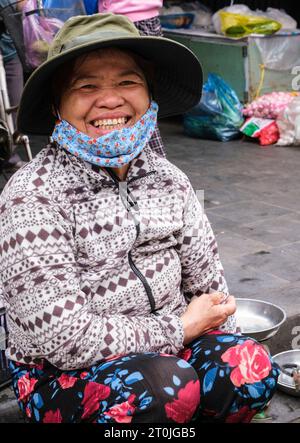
(174, 333)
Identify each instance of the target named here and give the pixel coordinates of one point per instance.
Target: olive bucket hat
(177, 71)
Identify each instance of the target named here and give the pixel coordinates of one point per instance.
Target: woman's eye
(127, 83)
(88, 86)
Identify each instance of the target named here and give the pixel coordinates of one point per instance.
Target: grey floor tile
(276, 232)
(249, 211)
(219, 224)
(277, 262)
(215, 198)
(233, 245)
(284, 408)
(291, 248)
(279, 190)
(246, 281)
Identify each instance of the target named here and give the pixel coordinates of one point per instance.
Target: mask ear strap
(56, 113)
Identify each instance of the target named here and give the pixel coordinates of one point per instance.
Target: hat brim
(178, 80)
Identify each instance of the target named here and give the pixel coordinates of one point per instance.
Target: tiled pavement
(251, 196)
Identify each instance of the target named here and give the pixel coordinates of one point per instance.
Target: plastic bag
(269, 135)
(38, 29)
(218, 116)
(237, 25)
(70, 7)
(265, 130)
(269, 105)
(289, 124)
(236, 9)
(287, 22)
(91, 6)
(280, 54)
(203, 15)
(202, 19)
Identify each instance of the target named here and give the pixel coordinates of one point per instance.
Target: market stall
(253, 65)
(239, 62)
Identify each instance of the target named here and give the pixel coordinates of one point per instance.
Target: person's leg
(237, 376)
(149, 388)
(15, 83)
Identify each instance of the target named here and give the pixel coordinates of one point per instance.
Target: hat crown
(177, 77)
(85, 29)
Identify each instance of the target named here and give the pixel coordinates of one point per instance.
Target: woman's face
(107, 91)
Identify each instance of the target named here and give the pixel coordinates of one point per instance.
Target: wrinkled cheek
(74, 112)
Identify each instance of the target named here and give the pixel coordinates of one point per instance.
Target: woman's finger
(230, 305)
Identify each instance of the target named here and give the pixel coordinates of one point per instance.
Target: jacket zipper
(144, 281)
(142, 176)
(133, 266)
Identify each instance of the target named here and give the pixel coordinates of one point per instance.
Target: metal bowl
(258, 319)
(285, 382)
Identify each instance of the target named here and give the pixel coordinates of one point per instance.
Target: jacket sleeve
(50, 315)
(202, 271)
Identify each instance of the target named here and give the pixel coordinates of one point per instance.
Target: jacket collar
(142, 165)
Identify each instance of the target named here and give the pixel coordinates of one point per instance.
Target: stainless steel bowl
(258, 319)
(285, 382)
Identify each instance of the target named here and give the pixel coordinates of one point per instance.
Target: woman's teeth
(110, 123)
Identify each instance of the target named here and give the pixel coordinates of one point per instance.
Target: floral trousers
(217, 378)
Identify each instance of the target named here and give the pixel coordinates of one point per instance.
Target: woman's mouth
(110, 124)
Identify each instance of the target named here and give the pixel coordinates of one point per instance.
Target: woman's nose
(109, 97)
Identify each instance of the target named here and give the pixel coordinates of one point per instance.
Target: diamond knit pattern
(71, 295)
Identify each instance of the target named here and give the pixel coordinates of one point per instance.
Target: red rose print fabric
(217, 378)
(250, 362)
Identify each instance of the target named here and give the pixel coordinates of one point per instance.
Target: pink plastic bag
(269, 105)
(38, 29)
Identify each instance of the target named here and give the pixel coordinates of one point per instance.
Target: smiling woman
(114, 97)
(118, 309)
(117, 90)
(117, 71)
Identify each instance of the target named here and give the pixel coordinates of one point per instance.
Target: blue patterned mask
(114, 149)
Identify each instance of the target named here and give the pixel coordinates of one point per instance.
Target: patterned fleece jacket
(91, 268)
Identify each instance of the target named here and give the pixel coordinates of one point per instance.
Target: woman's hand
(205, 313)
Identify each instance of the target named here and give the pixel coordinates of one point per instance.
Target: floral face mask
(114, 149)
